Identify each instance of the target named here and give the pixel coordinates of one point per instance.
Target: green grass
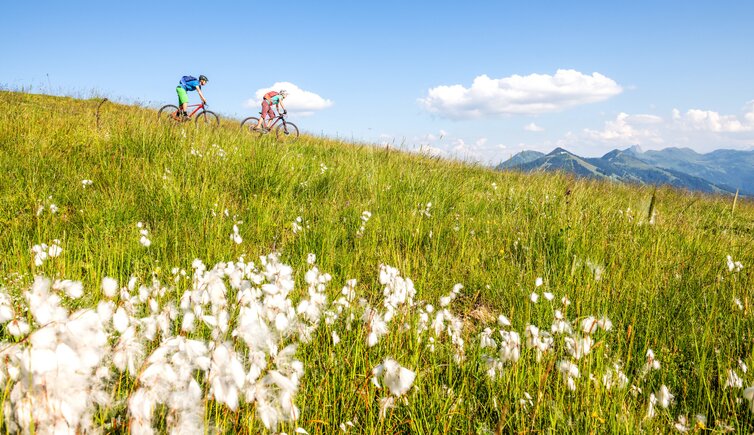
(664, 285)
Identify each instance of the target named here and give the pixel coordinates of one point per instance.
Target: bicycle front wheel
(286, 132)
(166, 112)
(206, 118)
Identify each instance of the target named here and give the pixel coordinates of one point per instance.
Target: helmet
(283, 92)
(203, 78)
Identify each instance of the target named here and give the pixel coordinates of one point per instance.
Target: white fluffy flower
(396, 378)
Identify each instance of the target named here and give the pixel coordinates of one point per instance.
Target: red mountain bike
(169, 112)
(284, 132)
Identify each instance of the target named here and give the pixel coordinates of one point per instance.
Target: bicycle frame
(198, 108)
(275, 121)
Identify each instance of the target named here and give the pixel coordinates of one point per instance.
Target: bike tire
(286, 132)
(207, 118)
(166, 112)
(249, 123)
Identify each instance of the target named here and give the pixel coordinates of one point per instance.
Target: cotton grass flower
(748, 394)
(570, 372)
(664, 397)
(109, 287)
(733, 380)
(396, 378)
(235, 236)
(733, 266)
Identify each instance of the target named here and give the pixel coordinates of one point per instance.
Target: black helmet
(203, 78)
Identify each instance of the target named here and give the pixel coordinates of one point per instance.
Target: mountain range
(720, 171)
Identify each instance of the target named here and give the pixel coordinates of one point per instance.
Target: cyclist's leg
(263, 115)
(182, 100)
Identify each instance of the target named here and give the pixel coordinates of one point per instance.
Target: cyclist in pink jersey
(270, 99)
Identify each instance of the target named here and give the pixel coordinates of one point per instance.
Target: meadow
(168, 278)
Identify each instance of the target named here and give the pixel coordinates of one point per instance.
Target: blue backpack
(186, 79)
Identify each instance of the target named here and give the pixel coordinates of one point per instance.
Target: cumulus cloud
(532, 94)
(302, 102)
(628, 129)
(533, 127)
(701, 130)
(708, 120)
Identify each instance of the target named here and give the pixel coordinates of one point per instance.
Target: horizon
(506, 77)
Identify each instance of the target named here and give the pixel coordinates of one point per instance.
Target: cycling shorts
(182, 95)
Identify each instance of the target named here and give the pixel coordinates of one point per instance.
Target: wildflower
(651, 407)
(651, 364)
(738, 303)
(54, 249)
(85, 183)
(570, 372)
(74, 289)
(749, 395)
(503, 321)
(109, 287)
(120, 320)
(311, 258)
(296, 225)
(588, 325)
(538, 282)
(235, 236)
(578, 346)
(682, 425)
(615, 378)
(664, 397)
(396, 378)
(534, 297)
(526, 402)
(486, 339)
(6, 309)
(733, 380)
(18, 328)
(365, 216)
(733, 266)
(549, 296)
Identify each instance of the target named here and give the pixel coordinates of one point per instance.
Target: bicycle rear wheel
(248, 124)
(286, 132)
(166, 112)
(206, 118)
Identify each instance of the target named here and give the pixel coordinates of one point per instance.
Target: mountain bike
(169, 112)
(284, 132)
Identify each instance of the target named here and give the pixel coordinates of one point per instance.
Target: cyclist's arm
(199, 91)
(280, 106)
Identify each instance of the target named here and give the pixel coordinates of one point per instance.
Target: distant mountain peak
(520, 158)
(559, 150)
(717, 172)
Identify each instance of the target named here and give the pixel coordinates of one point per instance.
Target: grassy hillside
(654, 263)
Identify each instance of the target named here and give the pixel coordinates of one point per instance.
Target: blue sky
(474, 80)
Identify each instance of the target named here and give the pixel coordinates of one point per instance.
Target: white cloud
(628, 130)
(701, 130)
(533, 127)
(303, 102)
(708, 120)
(532, 94)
